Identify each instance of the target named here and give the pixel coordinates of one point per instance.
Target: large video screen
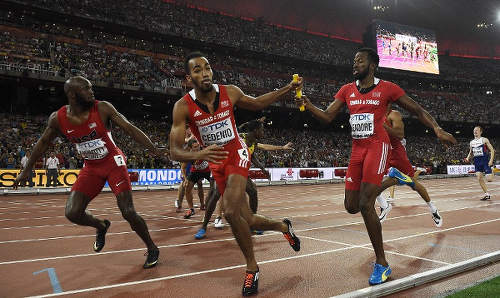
(407, 48)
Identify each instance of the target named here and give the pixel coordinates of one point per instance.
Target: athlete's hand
(23, 176)
(303, 101)
(288, 146)
(490, 164)
(445, 137)
(466, 160)
(294, 85)
(213, 153)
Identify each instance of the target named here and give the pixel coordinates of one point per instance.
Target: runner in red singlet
(86, 122)
(208, 109)
(367, 99)
(399, 160)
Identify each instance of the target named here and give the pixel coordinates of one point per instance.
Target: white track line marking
(370, 248)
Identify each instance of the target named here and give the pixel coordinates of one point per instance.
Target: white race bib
(219, 133)
(478, 151)
(120, 161)
(362, 125)
(93, 149)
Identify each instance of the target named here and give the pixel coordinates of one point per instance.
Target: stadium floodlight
(498, 16)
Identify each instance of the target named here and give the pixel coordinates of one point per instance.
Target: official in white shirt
(52, 166)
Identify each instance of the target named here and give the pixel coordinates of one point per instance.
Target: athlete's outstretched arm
(269, 147)
(261, 102)
(413, 107)
(41, 146)
(211, 153)
(398, 128)
(259, 165)
(108, 110)
(325, 116)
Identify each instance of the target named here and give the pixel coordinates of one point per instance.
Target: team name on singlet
(212, 118)
(93, 149)
(362, 125)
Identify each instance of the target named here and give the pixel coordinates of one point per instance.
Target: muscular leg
(351, 201)
(367, 195)
(233, 199)
(201, 194)
(180, 193)
(189, 193)
(76, 212)
(213, 198)
(126, 205)
(489, 177)
(251, 190)
(237, 213)
(421, 189)
(481, 181)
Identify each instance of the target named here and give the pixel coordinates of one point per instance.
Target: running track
(336, 253)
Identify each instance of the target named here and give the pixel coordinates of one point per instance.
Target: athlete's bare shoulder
(53, 121)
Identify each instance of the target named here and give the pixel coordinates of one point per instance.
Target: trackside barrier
(154, 187)
(418, 279)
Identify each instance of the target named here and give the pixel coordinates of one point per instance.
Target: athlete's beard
(202, 88)
(361, 75)
(84, 103)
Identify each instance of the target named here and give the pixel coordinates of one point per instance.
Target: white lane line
(229, 239)
(370, 248)
(210, 271)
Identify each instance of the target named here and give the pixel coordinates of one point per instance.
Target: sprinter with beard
(367, 99)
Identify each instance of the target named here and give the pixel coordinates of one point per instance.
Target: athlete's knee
(350, 207)
(129, 213)
(365, 206)
(72, 214)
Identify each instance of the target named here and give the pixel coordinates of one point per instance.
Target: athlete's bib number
(362, 125)
(120, 161)
(243, 154)
(477, 151)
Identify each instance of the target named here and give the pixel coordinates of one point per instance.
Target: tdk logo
(362, 117)
(215, 126)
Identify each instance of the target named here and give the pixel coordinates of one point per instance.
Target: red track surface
(336, 253)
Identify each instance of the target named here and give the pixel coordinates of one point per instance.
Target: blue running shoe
(257, 232)
(402, 178)
(201, 234)
(379, 274)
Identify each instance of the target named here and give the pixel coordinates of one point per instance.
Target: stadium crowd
(312, 148)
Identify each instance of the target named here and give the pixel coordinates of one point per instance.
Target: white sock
(382, 202)
(486, 194)
(432, 207)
